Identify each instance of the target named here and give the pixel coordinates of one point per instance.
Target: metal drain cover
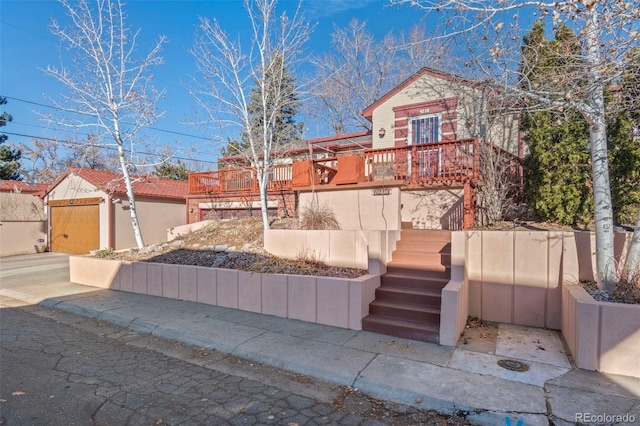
(513, 365)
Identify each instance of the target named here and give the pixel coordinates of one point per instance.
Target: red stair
(407, 303)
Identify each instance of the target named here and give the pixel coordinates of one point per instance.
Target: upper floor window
(425, 130)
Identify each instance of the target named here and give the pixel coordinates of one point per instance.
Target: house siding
(155, 217)
(463, 110)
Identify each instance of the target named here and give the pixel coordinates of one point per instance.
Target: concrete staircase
(407, 303)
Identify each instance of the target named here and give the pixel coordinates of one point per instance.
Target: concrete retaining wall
(600, 335)
(20, 237)
(350, 249)
(332, 301)
(516, 276)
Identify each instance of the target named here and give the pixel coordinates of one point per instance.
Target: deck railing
(436, 163)
(238, 180)
(427, 163)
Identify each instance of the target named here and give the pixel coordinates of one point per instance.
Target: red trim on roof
(143, 186)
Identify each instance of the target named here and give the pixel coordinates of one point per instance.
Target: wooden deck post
(469, 205)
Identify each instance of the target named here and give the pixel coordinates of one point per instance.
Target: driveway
(41, 273)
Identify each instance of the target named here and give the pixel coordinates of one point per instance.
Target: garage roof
(24, 187)
(144, 185)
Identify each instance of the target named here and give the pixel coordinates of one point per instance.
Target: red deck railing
(436, 163)
(238, 180)
(426, 164)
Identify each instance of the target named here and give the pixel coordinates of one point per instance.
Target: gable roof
(368, 112)
(23, 187)
(113, 183)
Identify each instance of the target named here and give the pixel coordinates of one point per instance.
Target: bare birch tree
(109, 81)
(229, 73)
(608, 31)
(359, 70)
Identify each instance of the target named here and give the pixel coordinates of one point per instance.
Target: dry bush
(318, 217)
(309, 256)
(211, 215)
(627, 287)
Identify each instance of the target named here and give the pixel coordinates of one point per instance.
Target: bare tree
(229, 74)
(608, 32)
(108, 80)
(359, 70)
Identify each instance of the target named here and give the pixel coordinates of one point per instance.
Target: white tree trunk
(605, 262)
(263, 186)
(132, 202)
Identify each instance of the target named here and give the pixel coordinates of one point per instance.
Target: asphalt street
(61, 369)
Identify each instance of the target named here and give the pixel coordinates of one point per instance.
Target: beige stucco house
(88, 210)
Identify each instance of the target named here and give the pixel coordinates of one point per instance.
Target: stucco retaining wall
(350, 249)
(516, 276)
(601, 336)
(333, 301)
(20, 237)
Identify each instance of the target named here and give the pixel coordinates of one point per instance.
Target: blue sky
(26, 44)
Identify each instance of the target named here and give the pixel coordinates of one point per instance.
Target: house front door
(425, 131)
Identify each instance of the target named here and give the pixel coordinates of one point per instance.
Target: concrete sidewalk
(464, 380)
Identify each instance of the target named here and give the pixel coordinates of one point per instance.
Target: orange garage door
(75, 229)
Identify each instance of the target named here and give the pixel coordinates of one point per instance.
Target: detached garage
(88, 210)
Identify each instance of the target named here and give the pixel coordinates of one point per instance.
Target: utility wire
(103, 147)
(78, 134)
(152, 128)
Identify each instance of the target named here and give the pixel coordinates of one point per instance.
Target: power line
(149, 127)
(103, 147)
(79, 134)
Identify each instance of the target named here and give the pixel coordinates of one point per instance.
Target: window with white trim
(424, 130)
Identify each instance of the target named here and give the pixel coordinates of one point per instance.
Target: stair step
(442, 247)
(426, 271)
(413, 281)
(405, 311)
(415, 330)
(421, 257)
(422, 296)
(424, 235)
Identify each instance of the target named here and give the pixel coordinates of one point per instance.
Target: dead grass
(317, 216)
(235, 244)
(627, 288)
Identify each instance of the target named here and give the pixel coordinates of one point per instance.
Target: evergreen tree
(174, 171)
(623, 128)
(557, 169)
(558, 178)
(9, 158)
(282, 100)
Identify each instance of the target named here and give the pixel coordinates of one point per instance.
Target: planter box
(339, 302)
(602, 336)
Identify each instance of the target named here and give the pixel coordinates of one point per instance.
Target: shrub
(318, 217)
(627, 287)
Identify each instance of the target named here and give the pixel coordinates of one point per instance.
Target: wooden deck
(437, 164)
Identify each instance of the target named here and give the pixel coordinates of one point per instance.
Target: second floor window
(425, 130)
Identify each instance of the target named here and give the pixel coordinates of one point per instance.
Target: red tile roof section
(23, 187)
(143, 186)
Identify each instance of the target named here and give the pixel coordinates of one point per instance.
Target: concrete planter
(602, 336)
(333, 301)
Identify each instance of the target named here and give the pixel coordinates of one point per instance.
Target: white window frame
(422, 117)
(427, 152)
